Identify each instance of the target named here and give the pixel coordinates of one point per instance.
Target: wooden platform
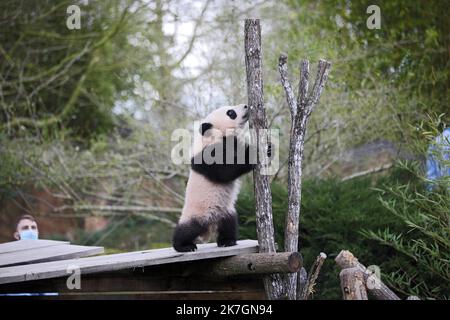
(41, 268)
(106, 263)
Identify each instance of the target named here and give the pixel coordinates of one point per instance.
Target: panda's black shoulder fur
(226, 169)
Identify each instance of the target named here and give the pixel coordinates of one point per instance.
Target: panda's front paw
(186, 248)
(226, 243)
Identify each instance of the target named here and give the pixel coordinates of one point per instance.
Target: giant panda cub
(213, 185)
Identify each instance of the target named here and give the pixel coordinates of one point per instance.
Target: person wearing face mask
(26, 228)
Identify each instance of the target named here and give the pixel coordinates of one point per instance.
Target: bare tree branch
(308, 289)
(290, 97)
(366, 172)
(319, 84)
(304, 84)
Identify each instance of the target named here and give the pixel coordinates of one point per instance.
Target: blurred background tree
(58, 82)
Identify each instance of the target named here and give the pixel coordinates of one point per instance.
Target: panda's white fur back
(204, 197)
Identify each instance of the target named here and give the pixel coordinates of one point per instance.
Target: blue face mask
(28, 235)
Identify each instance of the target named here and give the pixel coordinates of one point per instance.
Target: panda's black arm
(222, 171)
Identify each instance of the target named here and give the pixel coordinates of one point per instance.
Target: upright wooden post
(258, 122)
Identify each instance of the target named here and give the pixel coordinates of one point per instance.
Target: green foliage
(11, 175)
(423, 264)
(58, 80)
(382, 81)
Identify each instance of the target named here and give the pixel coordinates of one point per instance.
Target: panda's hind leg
(186, 233)
(227, 229)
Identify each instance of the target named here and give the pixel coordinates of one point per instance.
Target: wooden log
(257, 263)
(345, 259)
(375, 286)
(352, 284)
(258, 122)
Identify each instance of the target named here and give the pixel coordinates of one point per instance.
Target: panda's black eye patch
(205, 127)
(232, 114)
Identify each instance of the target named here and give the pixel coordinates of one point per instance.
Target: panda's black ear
(205, 127)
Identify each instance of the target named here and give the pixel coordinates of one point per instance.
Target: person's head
(26, 228)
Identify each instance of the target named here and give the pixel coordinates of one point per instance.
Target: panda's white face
(221, 122)
(225, 119)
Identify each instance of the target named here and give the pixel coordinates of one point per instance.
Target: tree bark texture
(312, 277)
(256, 263)
(375, 286)
(258, 121)
(352, 284)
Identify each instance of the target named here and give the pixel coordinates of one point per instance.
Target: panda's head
(225, 121)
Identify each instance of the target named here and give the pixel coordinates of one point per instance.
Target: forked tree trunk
(300, 108)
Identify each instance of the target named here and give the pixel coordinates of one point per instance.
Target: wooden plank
(28, 244)
(60, 252)
(121, 261)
